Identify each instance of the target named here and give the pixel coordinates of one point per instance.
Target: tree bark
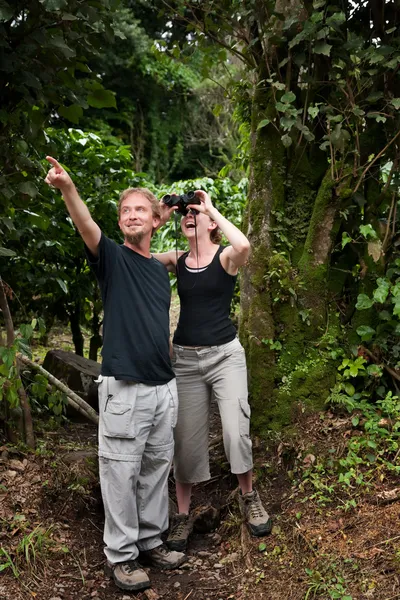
(24, 418)
(77, 337)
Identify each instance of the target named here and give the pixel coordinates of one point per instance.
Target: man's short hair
(155, 206)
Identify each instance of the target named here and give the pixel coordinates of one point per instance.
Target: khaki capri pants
(204, 373)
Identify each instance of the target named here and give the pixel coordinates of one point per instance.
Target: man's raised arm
(79, 212)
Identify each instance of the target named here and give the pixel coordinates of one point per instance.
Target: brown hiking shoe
(258, 520)
(127, 575)
(163, 558)
(180, 530)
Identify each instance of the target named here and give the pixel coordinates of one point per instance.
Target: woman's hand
(205, 206)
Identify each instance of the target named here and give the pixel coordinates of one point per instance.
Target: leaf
(322, 48)
(59, 43)
(102, 99)
(368, 231)
(6, 252)
(52, 5)
(349, 389)
(375, 250)
(364, 302)
(73, 112)
(263, 123)
(365, 332)
(346, 239)
(28, 188)
(395, 102)
(396, 309)
(217, 110)
(286, 140)
(355, 421)
(62, 285)
(262, 546)
(313, 111)
(338, 18)
(40, 221)
(6, 12)
(382, 291)
(288, 97)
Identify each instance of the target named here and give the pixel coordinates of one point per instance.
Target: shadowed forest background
(288, 114)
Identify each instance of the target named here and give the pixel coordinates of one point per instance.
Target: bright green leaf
(368, 231)
(262, 546)
(364, 302)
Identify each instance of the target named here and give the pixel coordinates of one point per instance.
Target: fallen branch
(73, 399)
(245, 544)
(389, 496)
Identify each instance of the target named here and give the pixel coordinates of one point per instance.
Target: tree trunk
(22, 418)
(291, 222)
(77, 337)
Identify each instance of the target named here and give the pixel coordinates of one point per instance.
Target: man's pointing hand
(57, 176)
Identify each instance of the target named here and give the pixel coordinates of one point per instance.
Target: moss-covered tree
(321, 98)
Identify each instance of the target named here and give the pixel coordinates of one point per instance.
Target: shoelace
(179, 528)
(256, 510)
(163, 549)
(130, 566)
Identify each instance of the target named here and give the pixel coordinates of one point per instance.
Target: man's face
(200, 224)
(136, 219)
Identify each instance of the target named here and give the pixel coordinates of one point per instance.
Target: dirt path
(51, 532)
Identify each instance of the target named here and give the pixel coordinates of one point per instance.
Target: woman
(209, 361)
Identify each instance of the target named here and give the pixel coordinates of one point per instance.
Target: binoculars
(181, 201)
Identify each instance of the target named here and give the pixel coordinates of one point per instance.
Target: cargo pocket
(118, 413)
(173, 405)
(244, 417)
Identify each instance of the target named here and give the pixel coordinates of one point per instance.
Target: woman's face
(196, 223)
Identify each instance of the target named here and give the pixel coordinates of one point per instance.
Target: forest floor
(321, 545)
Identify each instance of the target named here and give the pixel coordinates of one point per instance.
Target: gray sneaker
(127, 575)
(163, 558)
(258, 520)
(180, 530)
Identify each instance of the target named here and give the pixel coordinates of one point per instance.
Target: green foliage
(42, 398)
(44, 50)
(327, 582)
(32, 545)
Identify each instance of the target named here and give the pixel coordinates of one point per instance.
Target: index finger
(53, 162)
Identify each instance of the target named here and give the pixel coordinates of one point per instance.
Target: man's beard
(134, 238)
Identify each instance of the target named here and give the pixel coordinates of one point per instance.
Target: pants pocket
(244, 417)
(118, 412)
(173, 403)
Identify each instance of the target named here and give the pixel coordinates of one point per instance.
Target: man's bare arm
(79, 212)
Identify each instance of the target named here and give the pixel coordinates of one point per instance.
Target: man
(137, 391)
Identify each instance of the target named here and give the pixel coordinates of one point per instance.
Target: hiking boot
(258, 520)
(163, 558)
(127, 575)
(180, 530)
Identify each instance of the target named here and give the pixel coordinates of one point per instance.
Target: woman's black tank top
(206, 298)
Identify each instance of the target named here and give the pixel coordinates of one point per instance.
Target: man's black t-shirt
(136, 298)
